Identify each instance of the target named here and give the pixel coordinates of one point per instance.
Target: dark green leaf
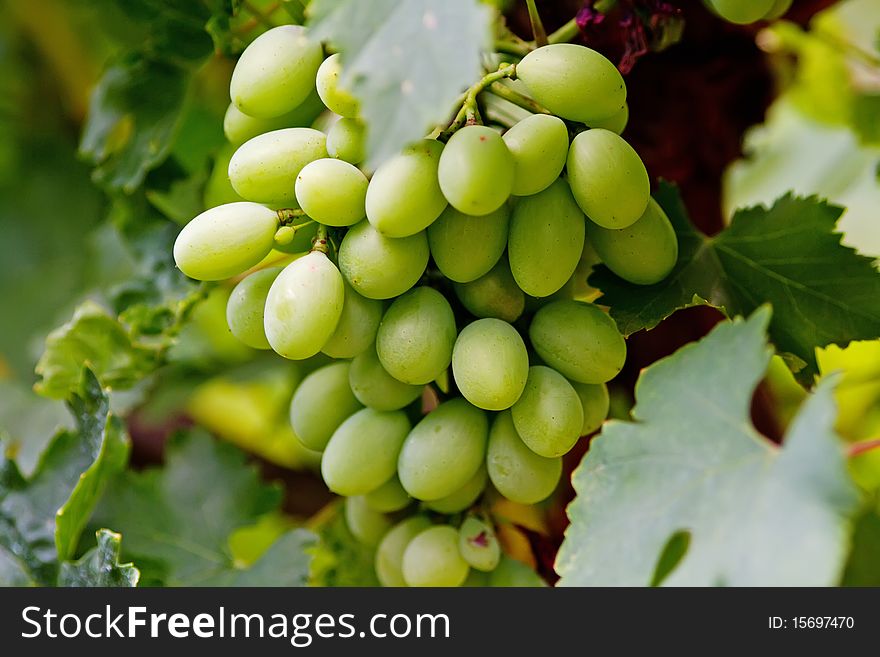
(861, 567)
(100, 566)
(41, 518)
(339, 558)
(407, 62)
(692, 462)
(177, 520)
(789, 255)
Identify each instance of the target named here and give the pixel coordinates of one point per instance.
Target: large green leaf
(41, 518)
(176, 520)
(789, 255)
(406, 62)
(692, 463)
(100, 566)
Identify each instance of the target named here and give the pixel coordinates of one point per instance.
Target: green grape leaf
(339, 558)
(133, 115)
(789, 255)
(177, 520)
(42, 517)
(100, 566)
(96, 339)
(406, 62)
(691, 462)
(861, 567)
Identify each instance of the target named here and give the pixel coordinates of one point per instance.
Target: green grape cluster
(446, 288)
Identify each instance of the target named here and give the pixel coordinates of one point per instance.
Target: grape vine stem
(321, 241)
(517, 98)
(565, 33)
(468, 108)
(538, 32)
(286, 216)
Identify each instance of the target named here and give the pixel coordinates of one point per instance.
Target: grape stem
(565, 33)
(321, 242)
(258, 15)
(520, 49)
(538, 31)
(517, 98)
(468, 110)
(286, 216)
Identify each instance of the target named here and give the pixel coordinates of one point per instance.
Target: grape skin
(490, 364)
(374, 387)
(304, 306)
(573, 82)
(494, 295)
(464, 497)
(366, 525)
(389, 497)
(380, 267)
(225, 241)
(332, 192)
(432, 559)
(546, 240)
(239, 127)
(264, 169)
(404, 195)
(416, 336)
(549, 415)
(389, 554)
(347, 141)
(539, 146)
(337, 99)
(517, 472)
(465, 247)
(276, 72)
(321, 403)
(578, 340)
(246, 306)
(478, 545)
(476, 170)
(607, 178)
(362, 453)
(357, 326)
(443, 451)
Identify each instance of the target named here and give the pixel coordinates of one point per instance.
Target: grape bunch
(743, 12)
(447, 288)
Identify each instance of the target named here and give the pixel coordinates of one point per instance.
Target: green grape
(643, 253)
(276, 72)
(380, 267)
(465, 247)
(332, 192)
(404, 196)
(304, 306)
(578, 340)
(356, 330)
(321, 403)
(416, 336)
(218, 189)
(595, 402)
(742, 12)
(778, 10)
(336, 99)
(476, 170)
(389, 554)
(539, 145)
(464, 497)
(548, 416)
(608, 179)
(517, 472)
(239, 127)
(478, 544)
(264, 169)
(546, 240)
(432, 559)
(389, 497)
(616, 123)
(302, 240)
(366, 525)
(347, 140)
(494, 295)
(513, 573)
(362, 453)
(490, 364)
(573, 82)
(476, 578)
(246, 305)
(443, 451)
(377, 389)
(225, 241)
